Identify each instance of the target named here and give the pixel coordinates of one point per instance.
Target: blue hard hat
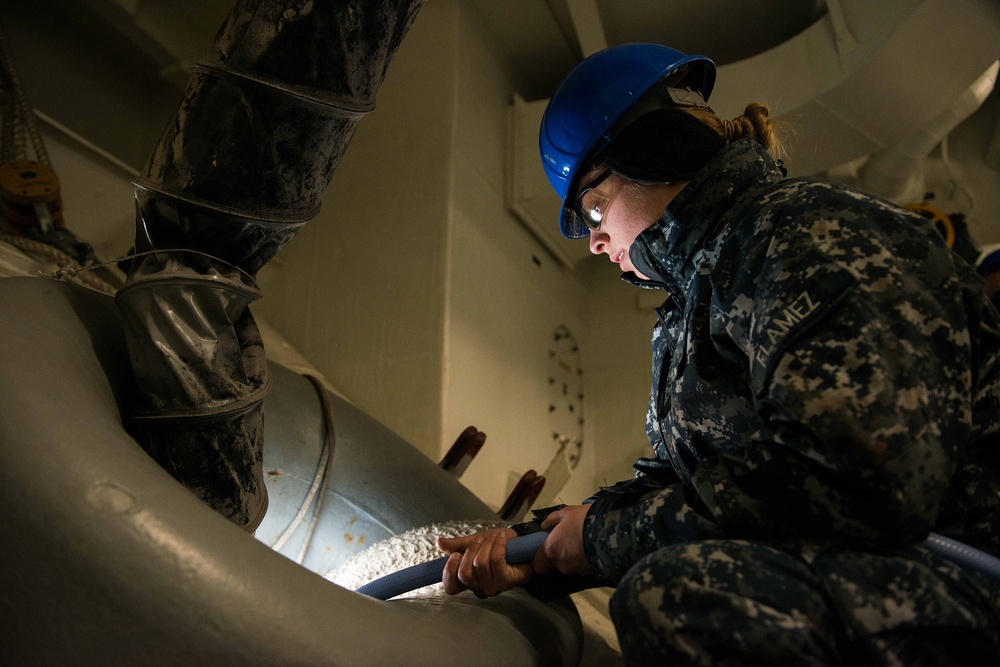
(595, 94)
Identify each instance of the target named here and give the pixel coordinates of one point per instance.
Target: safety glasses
(591, 205)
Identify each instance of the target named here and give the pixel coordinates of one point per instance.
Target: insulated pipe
(238, 171)
(896, 173)
(107, 560)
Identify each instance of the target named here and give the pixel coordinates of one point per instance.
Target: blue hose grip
(519, 550)
(962, 554)
(522, 549)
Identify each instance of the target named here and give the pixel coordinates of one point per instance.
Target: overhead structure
(844, 88)
(588, 26)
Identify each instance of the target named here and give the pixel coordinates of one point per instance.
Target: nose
(598, 241)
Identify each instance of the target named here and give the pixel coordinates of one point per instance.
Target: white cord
(297, 521)
(321, 481)
(330, 439)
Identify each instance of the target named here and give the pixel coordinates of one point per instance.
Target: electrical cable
(306, 504)
(331, 440)
(321, 480)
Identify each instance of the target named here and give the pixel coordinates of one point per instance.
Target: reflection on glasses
(591, 205)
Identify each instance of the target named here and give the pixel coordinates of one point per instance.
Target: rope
(20, 117)
(69, 268)
(9, 121)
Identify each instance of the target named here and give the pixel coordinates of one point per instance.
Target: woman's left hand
(478, 562)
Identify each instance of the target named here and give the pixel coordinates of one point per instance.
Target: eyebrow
(592, 175)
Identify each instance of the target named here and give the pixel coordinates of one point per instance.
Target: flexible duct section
(239, 169)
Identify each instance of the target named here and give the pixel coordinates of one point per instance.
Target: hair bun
(753, 123)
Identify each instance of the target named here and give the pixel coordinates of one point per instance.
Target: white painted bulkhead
(416, 291)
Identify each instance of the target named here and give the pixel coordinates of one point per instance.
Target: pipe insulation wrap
(519, 550)
(239, 169)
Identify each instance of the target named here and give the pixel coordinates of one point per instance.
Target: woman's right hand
(563, 548)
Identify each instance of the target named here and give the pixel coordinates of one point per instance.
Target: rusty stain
(348, 537)
(275, 472)
(352, 521)
(361, 540)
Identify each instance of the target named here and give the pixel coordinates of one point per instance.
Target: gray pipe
(239, 170)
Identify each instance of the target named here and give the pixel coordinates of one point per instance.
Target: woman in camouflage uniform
(826, 393)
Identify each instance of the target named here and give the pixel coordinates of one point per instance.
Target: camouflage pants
(731, 602)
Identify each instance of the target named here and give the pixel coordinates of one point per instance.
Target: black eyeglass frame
(578, 202)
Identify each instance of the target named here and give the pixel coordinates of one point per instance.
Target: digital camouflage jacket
(825, 370)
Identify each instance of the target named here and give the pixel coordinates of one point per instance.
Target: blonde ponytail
(755, 122)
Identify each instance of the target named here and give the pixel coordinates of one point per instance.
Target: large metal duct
(107, 560)
(239, 169)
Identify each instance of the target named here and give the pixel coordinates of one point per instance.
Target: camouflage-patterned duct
(239, 169)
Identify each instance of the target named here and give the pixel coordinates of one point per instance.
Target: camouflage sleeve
(860, 365)
(859, 358)
(624, 524)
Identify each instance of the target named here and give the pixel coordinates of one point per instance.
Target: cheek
(635, 222)
(630, 214)
(638, 214)
(644, 222)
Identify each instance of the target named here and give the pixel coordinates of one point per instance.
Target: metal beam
(588, 26)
